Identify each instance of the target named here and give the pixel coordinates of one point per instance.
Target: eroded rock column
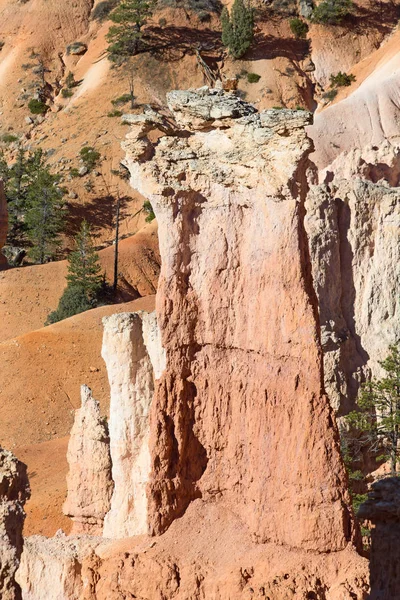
(14, 492)
(130, 373)
(239, 414)
(89, 479)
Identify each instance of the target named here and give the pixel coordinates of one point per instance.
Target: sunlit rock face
(242, 391)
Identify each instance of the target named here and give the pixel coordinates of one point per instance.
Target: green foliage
(298, 27)
(84, 282)
(342, 79)
(72, 302)
(90, 157)
(253, 77)
(103, 9)
(378, 415)
(148, 209)
(37, 107)
(44, 215)
(67, 93)
(331, 12)
(9, 138)
(115, 113)
(74, 172)
(126, 34)
(121, 100)
(238, 28)
(330, 95)
(70, 81)
(84, 269)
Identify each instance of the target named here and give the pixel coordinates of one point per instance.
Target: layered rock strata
(242, 391)
(3, 224)
(131, 378)
(89, 478)
(354, 236)
(14, 492)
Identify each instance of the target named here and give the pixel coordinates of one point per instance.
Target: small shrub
(342, 79)
(74, 172)
(121, 100)
(298, 27)
(330, 95)
(66, 93)
(148, 209)
(253, 77)
(37, 107)
(89, 156)
(278, 107)
(298, 107)
(204, 17)
(115, 113)
(27, 66)
(1, 45)
(9, 138)
(162, 22)
(70, 81)
(103, 9)
(331, 12)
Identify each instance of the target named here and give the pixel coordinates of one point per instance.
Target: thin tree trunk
(115, 283)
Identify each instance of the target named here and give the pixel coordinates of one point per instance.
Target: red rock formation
(14, 491)
(239, 416)
(3, 224)
(89, 478)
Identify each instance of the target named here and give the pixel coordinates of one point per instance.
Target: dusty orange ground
(40, 379)
(28, 294)
(47, 469)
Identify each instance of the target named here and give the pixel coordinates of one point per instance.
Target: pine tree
(129, 18)
(44, 214)
(378, 417)
(84, 268)
(238, 28)
(85, 283)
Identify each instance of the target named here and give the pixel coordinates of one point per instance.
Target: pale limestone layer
(14, 492)
(51, 568)
(130, 375)
(89, 480)
(354, 236)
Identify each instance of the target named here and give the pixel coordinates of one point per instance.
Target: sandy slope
(370, 113)
(28, 294)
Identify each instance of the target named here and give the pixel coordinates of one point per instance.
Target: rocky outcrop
(382, 509)
(239, 415)
(130, 373)
(354, 237)
(14, 491)
(3, 224)
(51, 568)
(89, 478)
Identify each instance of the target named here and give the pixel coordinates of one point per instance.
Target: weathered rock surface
(382, 508)
(130, 374)
(89, 478)
(354, 236)
(51, 568)
(14, 491)
(242, 391)
(199, 108)
(3, 224)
